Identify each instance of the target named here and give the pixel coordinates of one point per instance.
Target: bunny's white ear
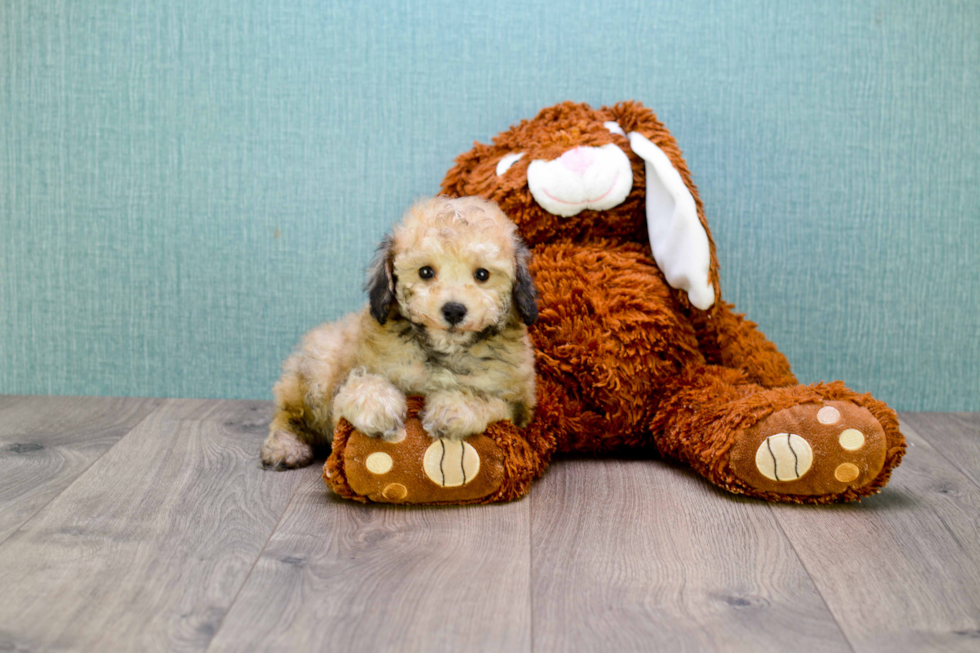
(679, 242)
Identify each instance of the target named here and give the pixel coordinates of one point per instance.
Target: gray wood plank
(10, 400)
(970, 418)
(148, 548)
(343, 576)
(643, 556)
(47, 442)
(900, 571)
(954, 435)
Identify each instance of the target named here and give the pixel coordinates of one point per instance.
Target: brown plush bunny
(636, 349)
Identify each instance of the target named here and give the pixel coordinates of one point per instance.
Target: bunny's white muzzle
(596, 178)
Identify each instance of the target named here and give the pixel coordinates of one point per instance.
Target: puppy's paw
(285, 450)
(380, 422)
(373, 406)
(447, 416)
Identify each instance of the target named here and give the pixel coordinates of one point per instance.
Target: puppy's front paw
(451, 417)
(380, 422)
(379, 419)
(372, 406)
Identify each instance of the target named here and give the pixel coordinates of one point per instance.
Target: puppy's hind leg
(288, 445)
(303, 419)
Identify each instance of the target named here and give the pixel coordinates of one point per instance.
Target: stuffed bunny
(636, 347)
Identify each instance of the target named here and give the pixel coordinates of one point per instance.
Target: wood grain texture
(343, 576)
(148, 548)
(956, 436)
(174, 539)
(969, 418)
(900, 571)
(47, 442)
(641, 556)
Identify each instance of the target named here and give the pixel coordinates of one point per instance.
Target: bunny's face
(579, 174)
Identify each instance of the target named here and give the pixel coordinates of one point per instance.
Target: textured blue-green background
(187, 186)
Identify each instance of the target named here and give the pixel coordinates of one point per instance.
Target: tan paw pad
(395, 492)
(378, 463)
(846, 472)
(784, 457)
(451, 463)
(399, 436)
(851, 439)
(828, 415)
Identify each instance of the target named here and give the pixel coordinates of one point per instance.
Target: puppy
(450, 298)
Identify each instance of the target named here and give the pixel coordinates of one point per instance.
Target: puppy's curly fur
(450, 298)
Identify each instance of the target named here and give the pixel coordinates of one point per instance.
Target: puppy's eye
(482, 274)
(427, 272)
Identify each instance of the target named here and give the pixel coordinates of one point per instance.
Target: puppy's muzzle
(453, 312)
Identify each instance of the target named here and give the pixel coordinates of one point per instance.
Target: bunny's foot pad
(420, 469)
(492, 466)
(812, 449)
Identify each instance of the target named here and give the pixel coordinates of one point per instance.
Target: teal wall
(187, 186)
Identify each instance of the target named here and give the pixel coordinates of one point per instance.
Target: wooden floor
(147, 524)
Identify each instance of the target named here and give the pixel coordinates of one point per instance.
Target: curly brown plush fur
(626, 361)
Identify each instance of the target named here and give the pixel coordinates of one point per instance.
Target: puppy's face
(455, 268)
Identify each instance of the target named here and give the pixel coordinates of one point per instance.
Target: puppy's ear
(380, 285)
(525, 294)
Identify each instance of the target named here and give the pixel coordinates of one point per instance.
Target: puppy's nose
(454, 312)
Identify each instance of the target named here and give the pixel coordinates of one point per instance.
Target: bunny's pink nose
(578, 159)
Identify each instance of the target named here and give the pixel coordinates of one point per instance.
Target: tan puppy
(450, 298)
